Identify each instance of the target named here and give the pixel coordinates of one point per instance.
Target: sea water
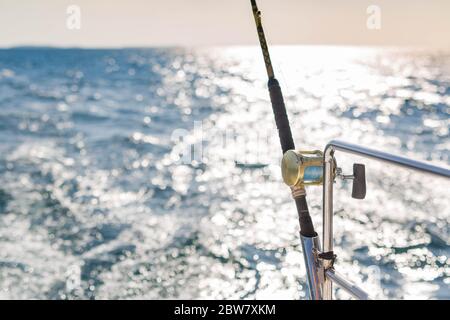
(154, 173)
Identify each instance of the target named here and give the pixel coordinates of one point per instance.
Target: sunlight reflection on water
(94, 202)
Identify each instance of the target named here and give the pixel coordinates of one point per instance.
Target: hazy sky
(117, 23)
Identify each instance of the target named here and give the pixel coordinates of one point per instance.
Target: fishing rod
(298, 168)
(284, 129)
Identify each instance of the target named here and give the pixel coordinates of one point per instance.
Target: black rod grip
(282, 122)
(281, 118)
(287, 143)
(306, 224)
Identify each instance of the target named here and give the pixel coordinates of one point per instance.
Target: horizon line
(83, 47)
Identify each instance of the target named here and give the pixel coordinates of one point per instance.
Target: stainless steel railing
(329, 169)
(423, 167)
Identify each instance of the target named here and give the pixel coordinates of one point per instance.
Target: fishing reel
(305, 168)
(302, 168)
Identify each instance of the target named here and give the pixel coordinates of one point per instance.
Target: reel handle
(359, 181)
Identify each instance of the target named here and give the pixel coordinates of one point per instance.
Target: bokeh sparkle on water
(94, 202)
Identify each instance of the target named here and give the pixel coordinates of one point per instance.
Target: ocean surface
(154, 173)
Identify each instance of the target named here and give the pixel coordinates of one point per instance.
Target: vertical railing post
(328, 176)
